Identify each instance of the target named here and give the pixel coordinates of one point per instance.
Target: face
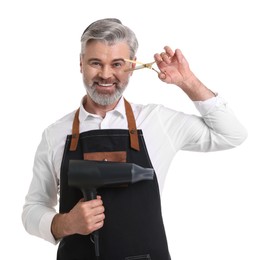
(103, 69)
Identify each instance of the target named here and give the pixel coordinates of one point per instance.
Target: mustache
(105, 81)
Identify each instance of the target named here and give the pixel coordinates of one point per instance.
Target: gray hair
(110, 31)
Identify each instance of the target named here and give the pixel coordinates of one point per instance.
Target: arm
(218, 128)
(39, 215)
(41, 199)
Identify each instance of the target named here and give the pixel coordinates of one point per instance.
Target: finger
(181, 59)
(169, 51)
(96, 203)
(165, 57)
(158, 59)
(161, 57)
(179, 55)
(90, 204)
(162, 76)
(98, 210)
(95, 222)
(98, 225)
(98, 217)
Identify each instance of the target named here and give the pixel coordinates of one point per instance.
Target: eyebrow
(115, 60)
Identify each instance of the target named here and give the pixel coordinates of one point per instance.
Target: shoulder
(154, 110)
(65, 121)
(137, 108)
(60, 128)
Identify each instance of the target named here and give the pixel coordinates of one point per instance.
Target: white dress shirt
(165, 132)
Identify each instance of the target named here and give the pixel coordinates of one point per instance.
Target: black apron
(133, 226)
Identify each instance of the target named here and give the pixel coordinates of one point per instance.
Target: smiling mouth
(105, 85)
(105, 88)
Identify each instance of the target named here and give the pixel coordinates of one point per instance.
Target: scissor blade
(134, 61)
(136, 68)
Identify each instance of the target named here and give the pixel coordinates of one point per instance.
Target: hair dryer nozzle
(139, 173)
(95, 174)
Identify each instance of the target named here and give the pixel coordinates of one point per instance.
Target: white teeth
(106, 85)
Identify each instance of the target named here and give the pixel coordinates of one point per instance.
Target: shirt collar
(119, 109)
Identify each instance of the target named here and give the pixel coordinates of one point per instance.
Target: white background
(217, 205)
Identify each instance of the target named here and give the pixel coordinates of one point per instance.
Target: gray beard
(104, 99)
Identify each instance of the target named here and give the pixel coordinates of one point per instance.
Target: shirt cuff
(45, 227)
(207, 106)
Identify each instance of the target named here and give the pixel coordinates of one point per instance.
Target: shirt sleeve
(216, 129)
(39, 208)
(207, 106)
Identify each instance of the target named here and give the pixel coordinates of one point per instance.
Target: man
(107, 127)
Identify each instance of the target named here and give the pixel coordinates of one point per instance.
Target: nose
(106, 72)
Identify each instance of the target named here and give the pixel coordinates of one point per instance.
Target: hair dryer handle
(89, 194)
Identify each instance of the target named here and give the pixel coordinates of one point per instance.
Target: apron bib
(133, 226)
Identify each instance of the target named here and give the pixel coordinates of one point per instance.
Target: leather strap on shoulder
(75, 131)
(132, 126)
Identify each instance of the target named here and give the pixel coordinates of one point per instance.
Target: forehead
(105, 52)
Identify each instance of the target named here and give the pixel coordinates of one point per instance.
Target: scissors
(142, 66)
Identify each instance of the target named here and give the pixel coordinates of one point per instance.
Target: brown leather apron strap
(75, 131)
(131, 126)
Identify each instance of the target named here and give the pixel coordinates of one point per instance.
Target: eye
(95, 64)
(118, 64)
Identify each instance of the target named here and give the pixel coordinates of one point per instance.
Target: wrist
(196, 90)
(60, 227)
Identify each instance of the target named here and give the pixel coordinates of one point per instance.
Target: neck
(94, 108)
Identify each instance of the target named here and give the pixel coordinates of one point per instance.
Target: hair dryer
(90, 175)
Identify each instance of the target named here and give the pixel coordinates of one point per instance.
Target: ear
(81, 62)
(133, 66)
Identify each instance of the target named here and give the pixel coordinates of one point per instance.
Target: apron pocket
(117, 156)
(138, 257)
